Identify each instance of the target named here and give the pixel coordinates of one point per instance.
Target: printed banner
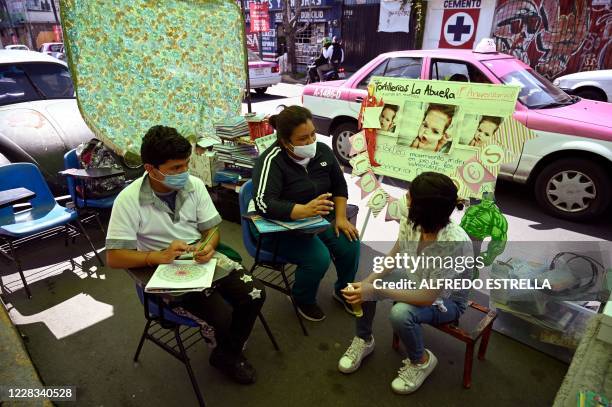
(463, 130)
(394, 16)
(260, 17)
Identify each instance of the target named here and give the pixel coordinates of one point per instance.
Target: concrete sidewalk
(83, 328)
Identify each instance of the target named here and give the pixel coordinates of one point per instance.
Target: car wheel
(261, 91)
(592, 94)
(340, 141)
(573, 189)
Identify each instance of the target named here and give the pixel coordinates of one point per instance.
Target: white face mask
(307, 151)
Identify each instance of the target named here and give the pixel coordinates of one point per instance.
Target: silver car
(39, 117)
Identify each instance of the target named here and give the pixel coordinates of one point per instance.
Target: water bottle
(356, 307)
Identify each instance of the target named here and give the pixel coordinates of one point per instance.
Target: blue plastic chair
(72, 161)
(161, 319)
(45, 213)
(169, 321)
(265, 259)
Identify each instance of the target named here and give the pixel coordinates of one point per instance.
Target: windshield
(55, 47)
(536, 91)
(27, 82)
(253, 57)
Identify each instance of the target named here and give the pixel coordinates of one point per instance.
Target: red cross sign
(459, 28)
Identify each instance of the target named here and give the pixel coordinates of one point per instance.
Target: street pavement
(89, 316)
(526, 221)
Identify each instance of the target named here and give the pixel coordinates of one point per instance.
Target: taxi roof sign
(486, 46)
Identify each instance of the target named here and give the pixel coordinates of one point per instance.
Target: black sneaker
(311, 312)
(347, 307)
(236, 367)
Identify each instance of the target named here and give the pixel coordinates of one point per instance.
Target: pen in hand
(209, 237)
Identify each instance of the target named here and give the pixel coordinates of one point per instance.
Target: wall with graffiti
(556, 37)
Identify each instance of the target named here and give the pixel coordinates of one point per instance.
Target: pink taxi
(569, 164)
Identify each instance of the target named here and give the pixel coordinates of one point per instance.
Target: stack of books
(239, 155)
(232, 128)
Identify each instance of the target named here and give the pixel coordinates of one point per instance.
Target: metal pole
(246, 60)
(55, 12)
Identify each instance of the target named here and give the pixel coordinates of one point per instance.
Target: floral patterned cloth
(139, 63)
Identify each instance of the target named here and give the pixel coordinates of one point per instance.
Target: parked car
(262, 74)
(61, 54)
(20, 47)
(39, 117)
(594, 85)
(52, 48)
(569, 164)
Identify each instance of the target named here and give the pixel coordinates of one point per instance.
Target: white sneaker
(410, 376)
(351, 360)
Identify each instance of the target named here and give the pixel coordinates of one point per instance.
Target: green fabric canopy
(139, 63)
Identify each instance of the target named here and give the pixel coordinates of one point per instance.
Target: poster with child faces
(389, 118)
(463, 130)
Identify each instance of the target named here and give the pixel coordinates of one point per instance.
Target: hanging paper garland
(378, 201)
(368, 183)
(393, 209)
(358, 143)
(360, 164)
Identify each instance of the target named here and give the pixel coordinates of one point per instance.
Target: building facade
(318, 19)
(30, 22)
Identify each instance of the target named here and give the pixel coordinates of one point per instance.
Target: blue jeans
(406, 320)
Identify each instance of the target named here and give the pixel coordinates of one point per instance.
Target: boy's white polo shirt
(141, 220)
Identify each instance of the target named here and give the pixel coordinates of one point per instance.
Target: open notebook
(182, 276)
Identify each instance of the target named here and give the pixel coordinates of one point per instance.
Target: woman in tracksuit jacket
(297, 178)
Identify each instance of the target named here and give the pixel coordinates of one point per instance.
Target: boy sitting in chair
(165, 214)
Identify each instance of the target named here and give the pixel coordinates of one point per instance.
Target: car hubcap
(571, 191)
(343, 144)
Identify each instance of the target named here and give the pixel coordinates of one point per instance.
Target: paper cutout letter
(367, 183)
(393, 209)
(377, 201)
(358, 143)
(360, 164)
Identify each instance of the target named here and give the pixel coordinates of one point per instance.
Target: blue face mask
(175, 181)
